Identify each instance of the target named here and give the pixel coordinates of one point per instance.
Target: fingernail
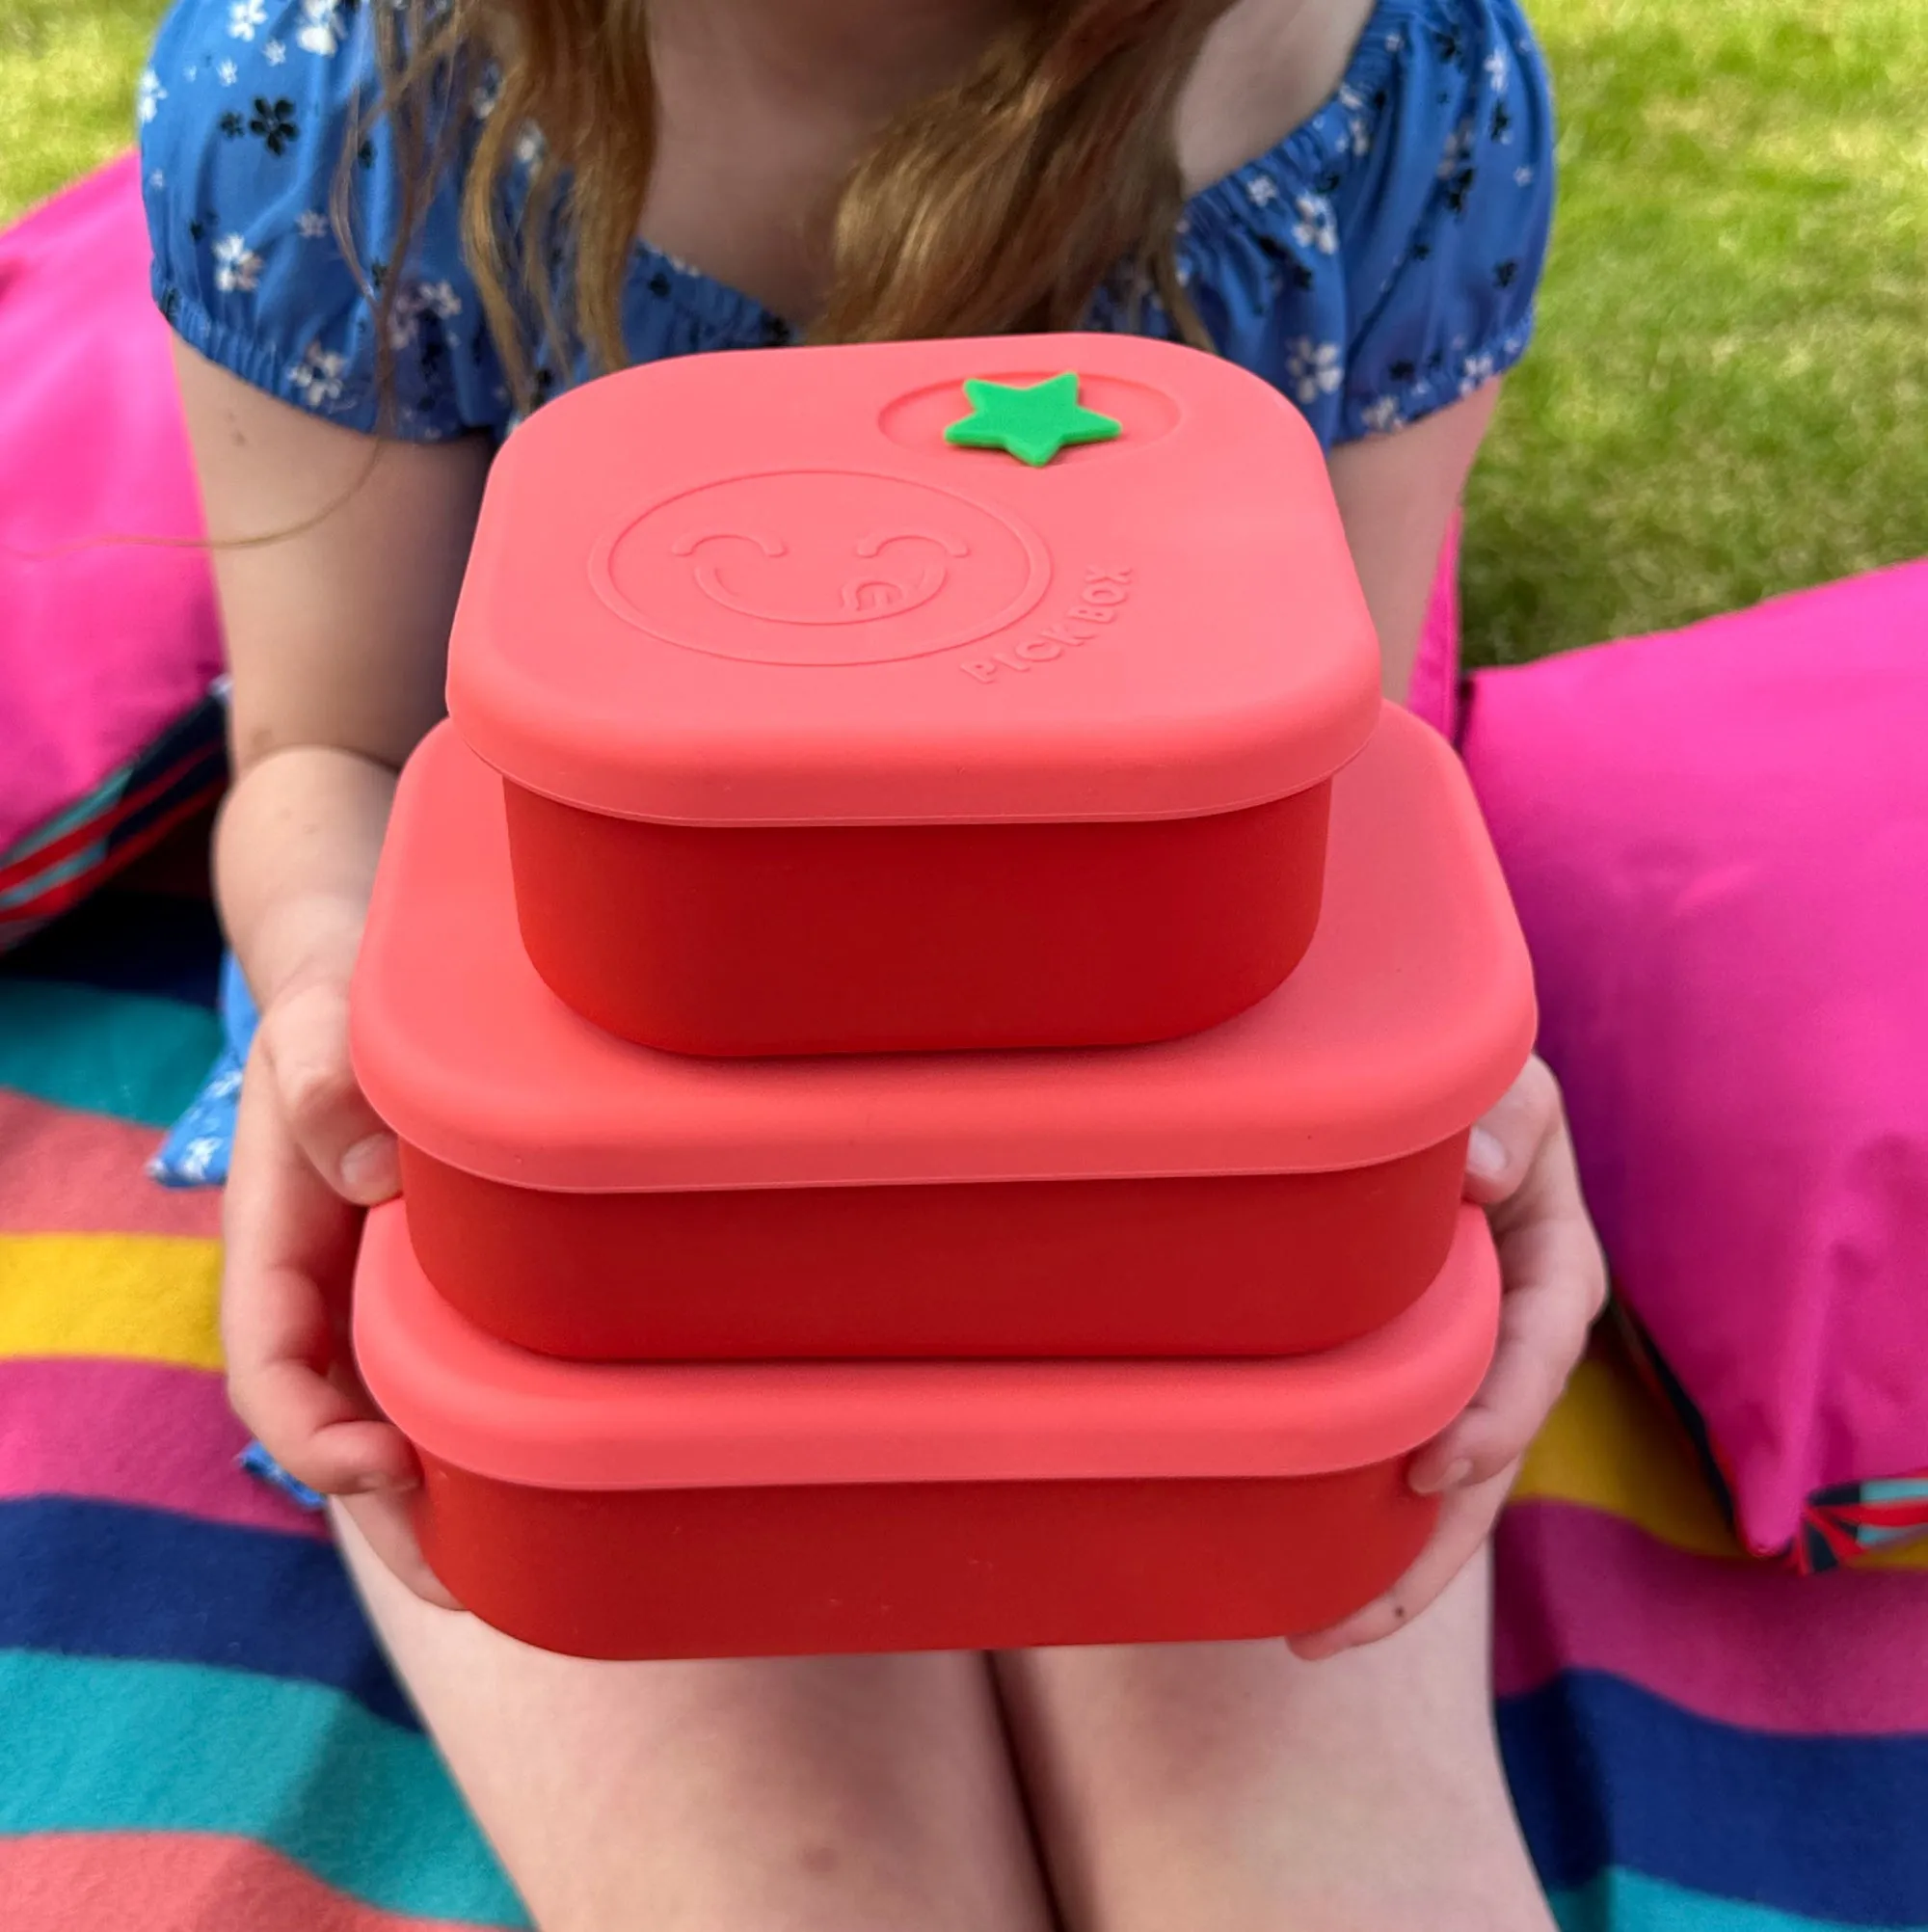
(1454, 1474)
(368, 1170)
(1485, 1156)
(381, 1480)
(1376, 1620)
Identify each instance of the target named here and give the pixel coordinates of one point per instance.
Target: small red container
(1279, 1185)
(763, 1511)
(823, 734)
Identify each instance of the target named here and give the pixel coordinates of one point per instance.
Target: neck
(863, 59)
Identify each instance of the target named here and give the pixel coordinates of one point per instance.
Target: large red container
(760, 1510)
(823, 734)
(1283, 1183)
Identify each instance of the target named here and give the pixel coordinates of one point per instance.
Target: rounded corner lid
(790, 588)
(502, 1412)
(1410, 1014)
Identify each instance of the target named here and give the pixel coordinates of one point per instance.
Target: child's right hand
(309, 1157)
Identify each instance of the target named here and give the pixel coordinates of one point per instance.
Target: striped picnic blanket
(197, 1733)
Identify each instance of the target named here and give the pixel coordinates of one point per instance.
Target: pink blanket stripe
(161, 1882)
(120, 1432)
(83, 1173)
(1756, 1648)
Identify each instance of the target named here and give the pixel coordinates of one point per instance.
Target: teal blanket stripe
(1626, 1902)
(127, 1054)
(89, 1744)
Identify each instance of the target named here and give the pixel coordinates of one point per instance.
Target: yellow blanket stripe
(136, 1297)
(1609, 1446)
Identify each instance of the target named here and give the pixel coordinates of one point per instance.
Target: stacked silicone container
(932, 1020)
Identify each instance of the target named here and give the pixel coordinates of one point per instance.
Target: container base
(1209, 1266)
(736, 941)
(885, 1567)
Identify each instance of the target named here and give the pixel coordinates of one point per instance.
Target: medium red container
(1282, 1184)
(763, 1511)
(823, 734)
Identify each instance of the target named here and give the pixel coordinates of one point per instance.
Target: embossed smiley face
(822, 567)
(856, 588)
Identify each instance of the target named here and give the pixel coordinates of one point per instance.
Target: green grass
(1726, 395)
(66, 76)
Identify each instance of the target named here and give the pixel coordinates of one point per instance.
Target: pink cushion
(1435, 691)
(103, 646)
(1718, 839)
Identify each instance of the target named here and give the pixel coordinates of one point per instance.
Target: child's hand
(1520, 1167)
(310, 1156)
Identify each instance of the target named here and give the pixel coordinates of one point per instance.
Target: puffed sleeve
(1450, 214)
(245, 112)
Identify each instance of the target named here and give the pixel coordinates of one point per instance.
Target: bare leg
(1234, 1788)
(856, 1794)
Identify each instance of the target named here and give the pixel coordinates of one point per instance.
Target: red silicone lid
(502, 1411)
(1410, 1014)
(764, 589)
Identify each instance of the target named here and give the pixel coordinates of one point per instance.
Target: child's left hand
(1520, 1169)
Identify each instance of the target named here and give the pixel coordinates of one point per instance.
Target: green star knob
(1032, 421)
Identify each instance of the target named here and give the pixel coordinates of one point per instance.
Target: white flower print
(148, 95)
(530, 148)
(197, 1160)
(1522, 177)
(1262, 190)
(1496, 70)
(1382, 416)
(1458, 150)
(311, 225)
(317, 376)
(1315, 226)
(1474, 372)
(482, 100)
(276, 52)
(229, 72)
(1313, 368)
(1395, 43)
(426, 298)
(321, 28)
(1358, 121)
(157, 179)
(244, 16)
(236, 266)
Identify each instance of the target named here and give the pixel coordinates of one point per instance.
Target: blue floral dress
(1376, 265)
(1379, 263)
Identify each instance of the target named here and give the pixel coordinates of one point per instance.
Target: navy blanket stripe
(1606, 1774)
(105, 1579)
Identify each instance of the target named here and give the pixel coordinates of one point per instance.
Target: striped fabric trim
(125, 815)
(1606, 1453)
(1840, 1523)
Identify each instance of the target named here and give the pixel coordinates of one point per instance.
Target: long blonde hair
(1004, 202)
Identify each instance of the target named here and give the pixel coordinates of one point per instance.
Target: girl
(384, 229)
